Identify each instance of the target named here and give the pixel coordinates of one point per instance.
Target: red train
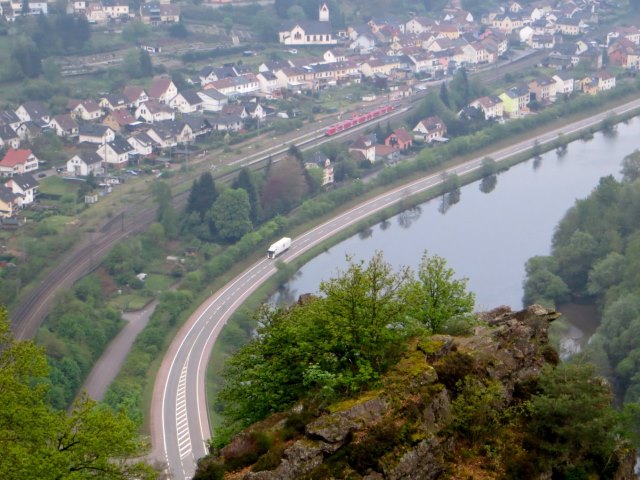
(357, 119)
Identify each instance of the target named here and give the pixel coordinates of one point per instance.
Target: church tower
(323, 12)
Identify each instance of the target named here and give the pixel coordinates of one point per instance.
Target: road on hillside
(179, 416)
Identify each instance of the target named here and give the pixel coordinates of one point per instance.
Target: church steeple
(323, 12)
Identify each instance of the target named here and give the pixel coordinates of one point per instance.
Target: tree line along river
(490, 233)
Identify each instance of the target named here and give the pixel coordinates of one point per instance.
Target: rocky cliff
(451, 408)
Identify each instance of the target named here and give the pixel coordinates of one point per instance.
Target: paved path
(112, 359)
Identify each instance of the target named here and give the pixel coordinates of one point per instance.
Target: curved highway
(179, 416)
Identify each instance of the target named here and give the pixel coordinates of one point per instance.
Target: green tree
(146, 66)
(227, 23)
(543, 284)
(247, 181)
(631, 166)
(444, 94)
(202, 195)
(575, 260)
(284, 187)
(178, 30)
(571, 419)
(39, 442)
(231, 214)
(338, 342)
(606, 273)
(437, 297)
(166, 214)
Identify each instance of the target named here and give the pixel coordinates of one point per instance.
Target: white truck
(279, 247)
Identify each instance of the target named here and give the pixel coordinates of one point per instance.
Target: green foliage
(477, 409)
(166, 214)
(231, 214)
(337, 343)
(340, 342)
(40, 442)
(437, 297)
(74, 335)
(571, 420)
(596, 254)
(631, 166)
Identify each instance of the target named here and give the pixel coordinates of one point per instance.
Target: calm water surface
(486, 237)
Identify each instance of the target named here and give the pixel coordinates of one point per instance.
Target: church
(309, 32)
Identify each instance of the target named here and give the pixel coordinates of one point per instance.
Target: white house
(116, 153)
(187, 102)
(142, 143)
(25, 186)
(153, 112)
(212, 100)
(85, 163)
(95, 133)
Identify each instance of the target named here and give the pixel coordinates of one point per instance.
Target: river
(485, 237)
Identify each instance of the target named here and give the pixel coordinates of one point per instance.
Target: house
(364, 148)
(419, 25)
(163, 90)
(135, 95)
(115, 8)
(198, 124)
(491, 106)
(116, 152)
(569, 26)
(268, 82)
(604, 81)
(95, 133)
(95, 13)
(153, 111)
(25, 186)
(65, 126)
(255, 110)
(29, 131)
(212, 100)
(114, 101)
(226, 123)
(86, 109)
(515, 100)
(119, 120)
(430, 129)
(84, 163)
(309, 32)
(142, 143)
(171, 133)
(8, 202)
(399, 139)
(9, 117)
(320, 160)
(364, 43)
(187, 102)
(17, 162)
(32, 111)
(156, 13)
(293, 78)
(542, 42)
(507, 22)
(543, 88)
(563, 86)
(383, 66)
(235, 86)
(9, 137)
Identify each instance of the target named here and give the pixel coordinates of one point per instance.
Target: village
(393, 58)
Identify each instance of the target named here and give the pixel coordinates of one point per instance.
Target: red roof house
(18, 161)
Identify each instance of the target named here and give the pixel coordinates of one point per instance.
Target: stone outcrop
(400, 431)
